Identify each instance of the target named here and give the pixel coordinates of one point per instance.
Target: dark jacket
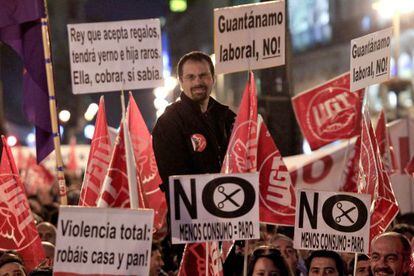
(176, 147)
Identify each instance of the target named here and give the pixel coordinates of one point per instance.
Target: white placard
(249, 37)
(332, 221)
(214, 207)
(370, 59)
(115, 56)
(103, 241)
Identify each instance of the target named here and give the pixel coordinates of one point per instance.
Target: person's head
(156, 260)
(390, 254)
(47, 232)
(11, 264)
(195, 72)
(405, 229)
(285, 245)
(267, 261)
(325, 262)
(362, 267)
(49, 249)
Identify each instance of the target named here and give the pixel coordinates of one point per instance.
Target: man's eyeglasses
(192, 77)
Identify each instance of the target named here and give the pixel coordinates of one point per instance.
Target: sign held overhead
(249, 37)
(92, 240)
(370, 59)
(332, 221)
(214, 207)
(113, 56)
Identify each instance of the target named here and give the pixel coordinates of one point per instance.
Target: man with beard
(191, 136)
(390, 254)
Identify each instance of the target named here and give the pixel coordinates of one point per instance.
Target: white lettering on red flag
(329, 112)
(147, 170)
(277, 194)
(98, 162)
(17, 229)
(115, 190)
(241, 155)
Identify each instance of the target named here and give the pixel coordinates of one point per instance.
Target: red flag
(384, 144)
(115, 189)
(147, 170)
(277, 194)
(241, 153)
(36, 176)
(98, 161)
(329, 112)
(17, 228)
(194, 260)
(374, 180)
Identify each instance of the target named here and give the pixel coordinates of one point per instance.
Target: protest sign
(214, 207)
(113, 56)
(249, 37)
(332, 221)
(370, 59)
(103, 241)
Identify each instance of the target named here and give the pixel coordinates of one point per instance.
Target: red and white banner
(323, 170)
(329, 112)
(98, 161)
(17, 228)
(277, 194)
(147, 170)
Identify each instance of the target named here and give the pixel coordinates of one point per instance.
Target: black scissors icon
(344, 213)
(229, 197)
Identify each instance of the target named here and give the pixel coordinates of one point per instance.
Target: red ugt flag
(329, 112)
(17, 228)
(241, 153)
(115, 189)
(194, 260)
(98, 161)
(277, 194)
(147, 170)
(373, 179)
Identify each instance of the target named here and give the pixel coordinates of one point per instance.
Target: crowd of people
(191, 137)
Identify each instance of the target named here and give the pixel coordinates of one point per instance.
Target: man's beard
(197, 96)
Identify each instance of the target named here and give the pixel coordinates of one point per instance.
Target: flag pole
(52, 107)
(207, 256)
(130, 162)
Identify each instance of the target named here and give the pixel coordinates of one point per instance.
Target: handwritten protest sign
(214, 207)
(249, 37)
(113, 56)
(103, 241)
(332, 221)
(370, 59)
